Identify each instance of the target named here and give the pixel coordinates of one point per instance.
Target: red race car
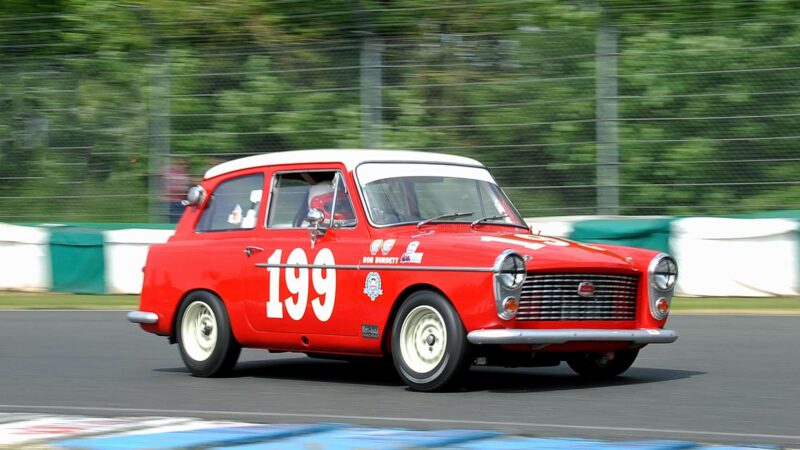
(417, 257)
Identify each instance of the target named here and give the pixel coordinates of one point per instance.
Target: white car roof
(349, 157)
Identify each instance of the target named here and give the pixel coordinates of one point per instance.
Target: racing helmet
(320, 196)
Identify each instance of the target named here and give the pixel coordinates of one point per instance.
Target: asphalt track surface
(728, 379)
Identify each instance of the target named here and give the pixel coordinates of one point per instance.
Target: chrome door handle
(250, 250)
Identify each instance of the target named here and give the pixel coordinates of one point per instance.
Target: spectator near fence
(176, 184)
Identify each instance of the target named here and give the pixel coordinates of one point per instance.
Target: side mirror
(195, 196)
(315, 218)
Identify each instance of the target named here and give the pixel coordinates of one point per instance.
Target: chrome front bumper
(142, 317)
(648, 336)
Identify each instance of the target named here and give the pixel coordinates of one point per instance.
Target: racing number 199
(297, 283)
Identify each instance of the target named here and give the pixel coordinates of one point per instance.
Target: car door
(296, 284)
(210, 258)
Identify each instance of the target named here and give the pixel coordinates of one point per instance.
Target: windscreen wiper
(445, 216)
(488, 218)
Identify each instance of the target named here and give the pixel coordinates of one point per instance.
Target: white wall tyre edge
(204, 335)
(429, 345)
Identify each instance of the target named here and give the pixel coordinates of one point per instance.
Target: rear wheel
(429, 344)
(204, 336)
(602, 366)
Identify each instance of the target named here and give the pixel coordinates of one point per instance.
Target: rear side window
(233, 205)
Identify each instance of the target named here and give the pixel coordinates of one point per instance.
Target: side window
(294, 193)
(233, 205)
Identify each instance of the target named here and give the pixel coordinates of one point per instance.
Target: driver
(320, 196)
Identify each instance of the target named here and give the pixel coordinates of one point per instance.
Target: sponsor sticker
(375, 246)
(411, 256)
(235, 217)
(370, 331)
(386, 259)
(249, 220)
(372, 287)
(387, 246)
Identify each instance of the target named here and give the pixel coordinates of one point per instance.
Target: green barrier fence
(645, 233)
(77, 261)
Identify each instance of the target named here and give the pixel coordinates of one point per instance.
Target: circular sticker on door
(372, 287)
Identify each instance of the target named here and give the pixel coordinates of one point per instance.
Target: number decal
(297, 283)
(274, 307)
(324, 285)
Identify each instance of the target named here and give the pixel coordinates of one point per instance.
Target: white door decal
(297, 283)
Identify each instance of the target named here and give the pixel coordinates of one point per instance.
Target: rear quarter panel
(173, 270)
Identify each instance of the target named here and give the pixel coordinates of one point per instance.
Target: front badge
(372, 287)
(586, 289)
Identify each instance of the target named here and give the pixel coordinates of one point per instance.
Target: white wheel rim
(199, 331)
(423, 339)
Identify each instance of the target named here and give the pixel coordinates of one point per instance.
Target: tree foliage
(708, 96)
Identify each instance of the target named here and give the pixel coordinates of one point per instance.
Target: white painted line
(461, 422)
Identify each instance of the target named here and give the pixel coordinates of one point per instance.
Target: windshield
(424, 193)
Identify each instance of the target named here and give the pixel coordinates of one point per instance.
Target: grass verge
(732, 305)
(722, 305)
(17, 300)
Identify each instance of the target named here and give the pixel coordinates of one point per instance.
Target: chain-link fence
(670, 109)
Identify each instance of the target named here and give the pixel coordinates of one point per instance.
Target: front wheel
(429, 344)
(602, 366)
(204, 336)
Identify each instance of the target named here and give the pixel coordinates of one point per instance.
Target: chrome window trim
(274, 179)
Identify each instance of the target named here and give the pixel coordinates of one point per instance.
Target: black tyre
(204, 336)
(429, 344)
(602, 366)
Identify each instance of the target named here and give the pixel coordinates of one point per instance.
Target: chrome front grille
(554, 296)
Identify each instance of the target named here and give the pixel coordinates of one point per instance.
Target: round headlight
(512, 271)
(665, 274)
